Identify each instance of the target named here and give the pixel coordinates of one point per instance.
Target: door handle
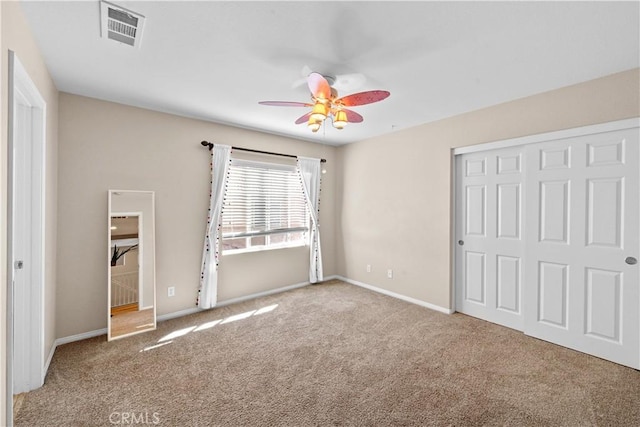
(18, 265)
(631, 260)
(461, 242)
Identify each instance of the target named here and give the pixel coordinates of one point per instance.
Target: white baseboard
(177, 314)
(48, 361)
(399, 296)
(79, 337)
(261, 294)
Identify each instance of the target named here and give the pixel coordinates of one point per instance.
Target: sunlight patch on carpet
(208, 325)
(176, 334)
(151, 347)
(266, 309)
(238, 317)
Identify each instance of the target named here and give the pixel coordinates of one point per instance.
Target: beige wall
(16, 36)
(394, 191)
(110, 146)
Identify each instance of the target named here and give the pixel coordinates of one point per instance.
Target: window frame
(267, 234)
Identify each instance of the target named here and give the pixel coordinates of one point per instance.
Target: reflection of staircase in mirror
(125, 317)
(126, 308)
(124, 289)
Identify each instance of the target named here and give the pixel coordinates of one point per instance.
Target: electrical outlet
(171, 291)
(368, 268)
(389, 274)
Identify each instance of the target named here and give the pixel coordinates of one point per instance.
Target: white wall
(394, 192)
(105, 146)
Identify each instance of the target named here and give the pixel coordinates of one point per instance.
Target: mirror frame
(142, 249)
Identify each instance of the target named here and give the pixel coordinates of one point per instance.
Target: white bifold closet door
(582, 216)
(490, 243)
(551, 249)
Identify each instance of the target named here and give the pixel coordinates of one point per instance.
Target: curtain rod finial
(206, 143)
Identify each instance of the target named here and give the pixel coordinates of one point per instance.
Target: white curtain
(310, 172)
(208, 293)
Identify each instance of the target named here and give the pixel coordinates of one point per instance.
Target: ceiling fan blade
(285, 104)
(306, 70)
(352, 116)
(303, 119)
(319, 86)
(363, 98)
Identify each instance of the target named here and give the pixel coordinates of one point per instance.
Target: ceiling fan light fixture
(319, 112)
(325, 103)
(340, 120)
(314, 124)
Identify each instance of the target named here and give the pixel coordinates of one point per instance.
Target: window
(264, 207)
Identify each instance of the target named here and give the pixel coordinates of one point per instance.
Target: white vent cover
(120, 24)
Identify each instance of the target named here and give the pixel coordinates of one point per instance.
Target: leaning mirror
(131, 263)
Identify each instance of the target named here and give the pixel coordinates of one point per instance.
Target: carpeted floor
(330, 354)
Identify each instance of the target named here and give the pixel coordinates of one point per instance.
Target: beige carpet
(330, 354)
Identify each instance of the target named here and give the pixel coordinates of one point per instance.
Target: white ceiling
(215, 60)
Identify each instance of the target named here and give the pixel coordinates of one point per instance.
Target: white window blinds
(264, 206)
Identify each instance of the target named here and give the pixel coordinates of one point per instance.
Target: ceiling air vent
(120, 24)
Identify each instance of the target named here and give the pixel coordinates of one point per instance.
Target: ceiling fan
(325, 103)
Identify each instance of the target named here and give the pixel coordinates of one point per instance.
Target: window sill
(263, 248)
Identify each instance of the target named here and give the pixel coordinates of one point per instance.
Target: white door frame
(551, 136)
(542, 137)
(29, 325)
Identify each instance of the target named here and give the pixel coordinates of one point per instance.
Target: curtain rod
(210, 145)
